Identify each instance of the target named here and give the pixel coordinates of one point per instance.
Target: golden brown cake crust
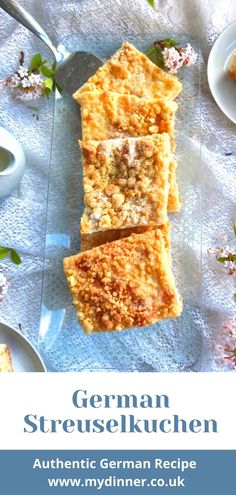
(108, 115)
(131, 72)
(123, 284)
(125, 182)
(5, 359)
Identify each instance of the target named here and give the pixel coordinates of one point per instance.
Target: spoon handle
(13, 8)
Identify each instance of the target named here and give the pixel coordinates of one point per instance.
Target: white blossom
(35, 79)
(25, 87)
(22, 71)
(25, 83)
(15, 80)
(27, 94)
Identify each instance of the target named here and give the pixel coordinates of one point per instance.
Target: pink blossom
(28, 94)
(230, 267)
(223, 238)
(189, 56)
(226, 345)
(214, 251)
(175, 58)
(227, 253)
(25, 87)
(172, 59)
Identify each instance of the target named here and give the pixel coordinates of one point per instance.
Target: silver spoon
(73, 69)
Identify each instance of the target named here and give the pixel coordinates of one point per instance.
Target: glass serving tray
(171, 345)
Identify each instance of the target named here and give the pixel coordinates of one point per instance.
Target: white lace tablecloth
(22, 215)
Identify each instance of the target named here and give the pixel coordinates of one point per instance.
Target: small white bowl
(223, 88)
(12, 163)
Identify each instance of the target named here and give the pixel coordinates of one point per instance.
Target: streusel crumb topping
(131, 72)
(108, 115)
(125, 182)
(122, 284)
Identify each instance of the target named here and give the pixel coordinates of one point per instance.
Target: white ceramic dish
(25, 358)
(222, 87)
(12, 163)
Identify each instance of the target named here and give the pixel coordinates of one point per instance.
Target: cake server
(73, 69)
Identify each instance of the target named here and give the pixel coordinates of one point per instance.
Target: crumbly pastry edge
(172, 311)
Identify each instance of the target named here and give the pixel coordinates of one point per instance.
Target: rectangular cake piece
(125, 182)
(122, 284)
(5, 359)
(107, 115)
(131, 72)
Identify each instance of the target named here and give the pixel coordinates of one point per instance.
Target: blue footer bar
(117, 472)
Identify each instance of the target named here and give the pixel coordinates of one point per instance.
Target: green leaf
(234, 229)
(167, 43)
(53, 66)
(152, 3)
(4, 252)
(15, 257)
(44, 61)
(155, 54)
(48, 84)
(156, 57)
(234, 296)
(46, 92)
(36, 61)
(46, 71)
(222, 259)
